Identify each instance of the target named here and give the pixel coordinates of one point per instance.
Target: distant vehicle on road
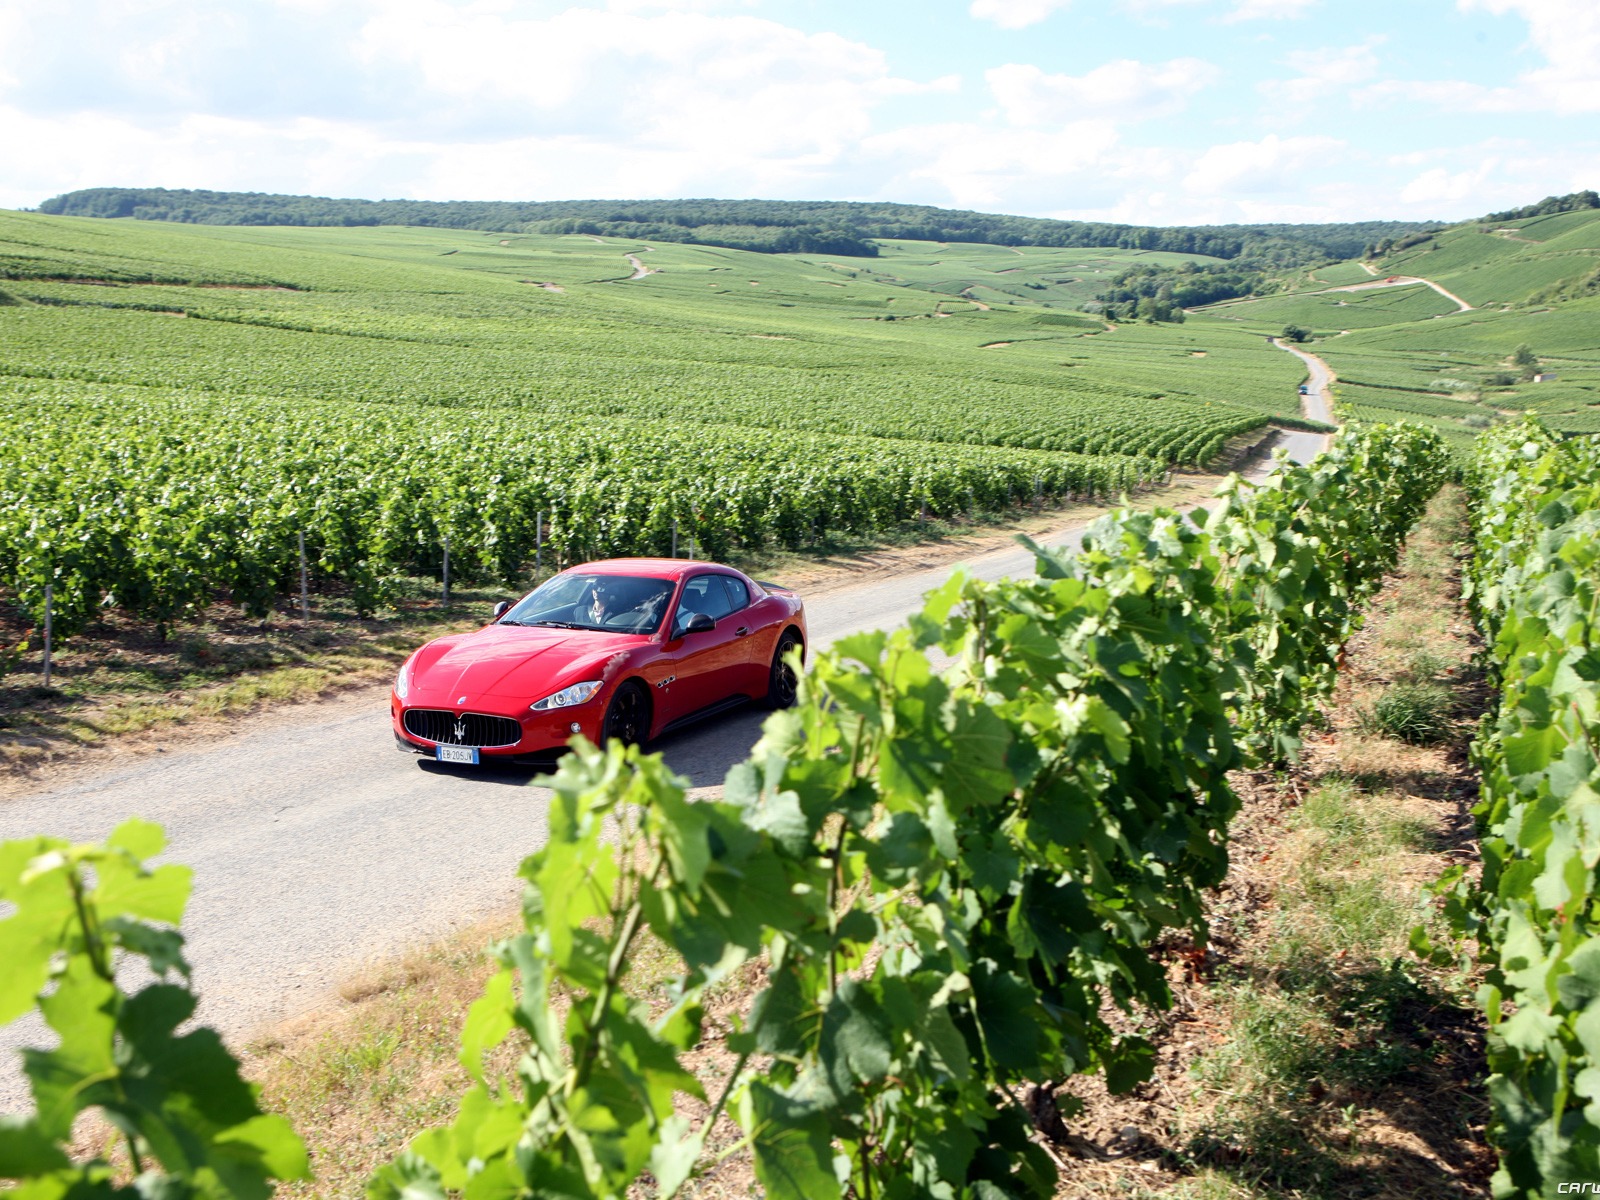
(627, 649)
(1304, 390)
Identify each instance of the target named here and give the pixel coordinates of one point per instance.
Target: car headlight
(402, 681)
(578, 693)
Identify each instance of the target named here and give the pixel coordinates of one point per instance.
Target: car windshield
(583, 600)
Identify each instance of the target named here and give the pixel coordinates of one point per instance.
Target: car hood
(513, 662)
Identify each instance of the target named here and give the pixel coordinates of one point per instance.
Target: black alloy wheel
(783, 685)
(627, 716)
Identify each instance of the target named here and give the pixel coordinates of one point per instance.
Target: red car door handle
(741, 631)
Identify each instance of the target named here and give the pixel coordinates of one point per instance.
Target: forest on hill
(1571, 202)
(764, 226)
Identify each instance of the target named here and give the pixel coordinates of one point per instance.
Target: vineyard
(154, 501)
(951, 880)
(1328, 313)
(1456, 372)
(183, 404)
(1485, 267)
(1537, 525)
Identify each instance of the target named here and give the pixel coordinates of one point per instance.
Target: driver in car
(603, 604)
(609, 601)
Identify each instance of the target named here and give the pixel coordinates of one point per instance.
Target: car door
(749, 673)
(705, 664)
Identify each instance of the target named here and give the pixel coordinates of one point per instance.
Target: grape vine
(1535, 589)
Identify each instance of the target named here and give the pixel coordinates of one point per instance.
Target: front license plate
(457, 754)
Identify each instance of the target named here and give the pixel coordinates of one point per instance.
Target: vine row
(1534, 586)
(159, 506)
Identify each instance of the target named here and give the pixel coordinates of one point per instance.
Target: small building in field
(1545, 377)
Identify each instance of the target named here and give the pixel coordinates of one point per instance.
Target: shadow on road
(702, 753)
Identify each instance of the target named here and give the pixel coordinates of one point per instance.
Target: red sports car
(626, 649)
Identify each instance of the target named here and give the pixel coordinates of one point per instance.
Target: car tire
(627, 716)
(783, 685)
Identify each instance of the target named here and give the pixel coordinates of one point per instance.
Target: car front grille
(469, 729)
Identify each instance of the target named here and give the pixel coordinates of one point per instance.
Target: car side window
(717, 602)
(738, 594)
(702, 594)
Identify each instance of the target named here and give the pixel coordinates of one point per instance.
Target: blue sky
(1158, 111)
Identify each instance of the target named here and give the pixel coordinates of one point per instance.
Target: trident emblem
(460, 730)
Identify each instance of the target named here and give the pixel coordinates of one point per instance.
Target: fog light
(575, 727)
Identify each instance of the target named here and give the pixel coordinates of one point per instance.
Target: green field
(1334, 312)
(1405, 352)
(1054, 278)
(418, 384)
(1506, 262)
(1467, 355)
(1336, 275)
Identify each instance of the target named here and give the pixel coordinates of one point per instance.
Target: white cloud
(969, 165)
(49, 154)
(684, 80)
(544, 99)
(1443, 188)
(1324, 72)
(1493, 174)
(1122, 89)
(1565, 32)
(1015, 14)
(1272, 164)
(419, 97)
(1257, 10)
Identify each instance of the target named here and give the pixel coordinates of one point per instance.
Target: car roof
(655, 568)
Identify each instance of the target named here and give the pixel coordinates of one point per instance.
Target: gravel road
(317, 846)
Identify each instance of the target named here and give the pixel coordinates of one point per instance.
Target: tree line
(1571, 202)
(770, 226)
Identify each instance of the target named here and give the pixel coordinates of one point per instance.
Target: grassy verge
(361, 1079)
(118, 679)
(1309, 1054)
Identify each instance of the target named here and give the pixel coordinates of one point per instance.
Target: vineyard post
(49, 613)
(446, 599)
(1038, 492)
(305, 599)
(538, 545)
(674, 537)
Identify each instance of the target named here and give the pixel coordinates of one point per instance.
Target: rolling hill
(1532, 278)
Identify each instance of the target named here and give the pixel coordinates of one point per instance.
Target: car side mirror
(700, 623)
(501, 609)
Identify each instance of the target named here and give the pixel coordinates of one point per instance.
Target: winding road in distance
(1315, 402)
(316, 846)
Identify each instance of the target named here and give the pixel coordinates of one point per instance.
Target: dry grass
(361, 1079)
(119, 681)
